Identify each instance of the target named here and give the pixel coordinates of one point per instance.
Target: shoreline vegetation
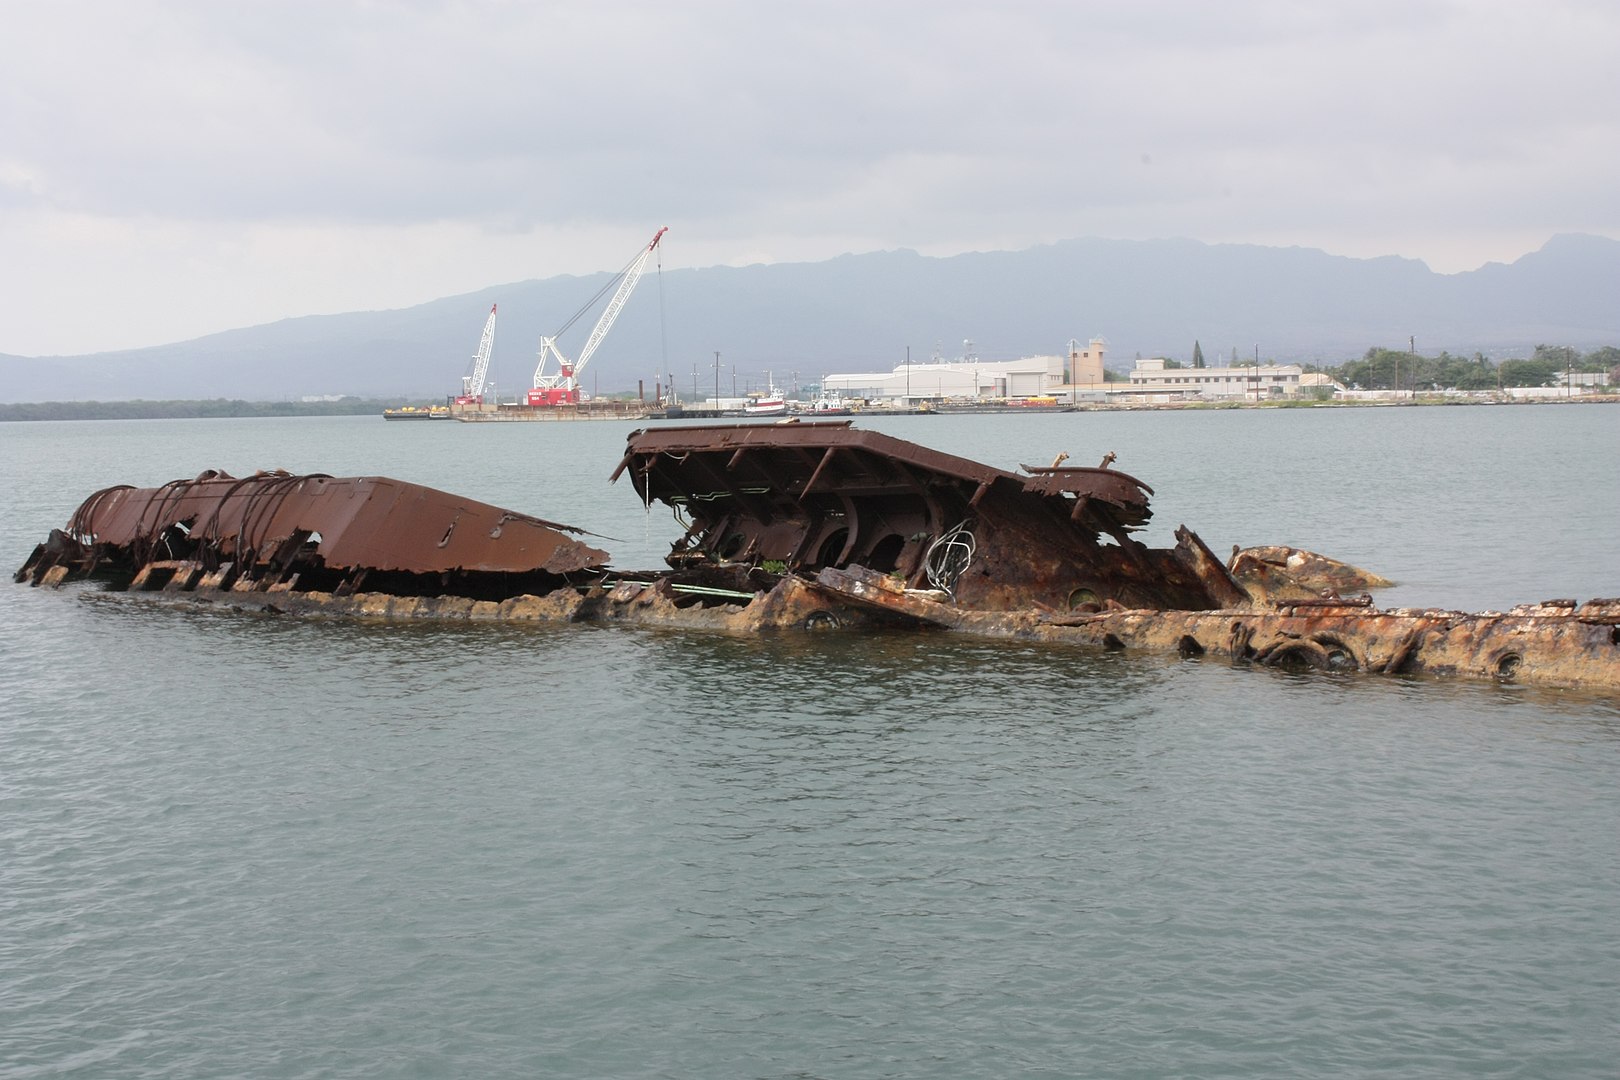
(193, 410)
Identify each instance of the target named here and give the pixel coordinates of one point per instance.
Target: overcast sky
(172, 169)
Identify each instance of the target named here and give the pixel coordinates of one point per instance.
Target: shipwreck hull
(1558, 643)
(805, 527)
(274, 531)
(811, 496)
(1566, 647)
(1543, 645)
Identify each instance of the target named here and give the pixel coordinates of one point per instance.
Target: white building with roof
(1152, 380)
(1031, 376)
(1316, 380)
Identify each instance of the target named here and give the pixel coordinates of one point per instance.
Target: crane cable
(613, 283)
(663, 335)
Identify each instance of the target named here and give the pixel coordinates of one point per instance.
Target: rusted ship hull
(1559, 643)
(800, 527)
(807, 496)
(276, 532)
(1554, 647)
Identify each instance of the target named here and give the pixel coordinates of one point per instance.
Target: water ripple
(233, 845)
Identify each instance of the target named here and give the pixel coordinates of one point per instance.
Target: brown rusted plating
(317, 533)
(812, 496)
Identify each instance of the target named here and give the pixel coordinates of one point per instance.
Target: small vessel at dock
(418, 412)
(770, 402)
(830, 405)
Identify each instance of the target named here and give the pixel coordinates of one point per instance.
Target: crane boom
(611, 312)
(564, 386)
(472, 385)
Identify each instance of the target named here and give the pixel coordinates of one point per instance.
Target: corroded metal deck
(806, 496)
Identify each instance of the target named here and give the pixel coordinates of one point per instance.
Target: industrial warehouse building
(1078, 376)
(1151, 380)
(1032, 376)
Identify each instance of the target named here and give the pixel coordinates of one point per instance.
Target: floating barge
(519, 413)
(808, 526)
(418, 412)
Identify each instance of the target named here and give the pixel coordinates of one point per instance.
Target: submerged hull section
(1558, 643)
(315, 533)
(795, 527)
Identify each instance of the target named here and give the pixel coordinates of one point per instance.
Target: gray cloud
(1453, 132)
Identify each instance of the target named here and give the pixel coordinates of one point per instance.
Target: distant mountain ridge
(860, 312)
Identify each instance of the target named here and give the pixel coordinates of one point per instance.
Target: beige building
(1086, 365)
(1153, 381)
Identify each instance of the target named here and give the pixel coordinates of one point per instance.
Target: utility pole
(717, 381)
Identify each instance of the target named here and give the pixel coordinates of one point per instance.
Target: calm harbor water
(234, 845)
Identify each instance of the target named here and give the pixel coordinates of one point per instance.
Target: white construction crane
(563, 388)
(472, 385)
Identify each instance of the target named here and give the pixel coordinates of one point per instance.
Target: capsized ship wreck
(807, 526)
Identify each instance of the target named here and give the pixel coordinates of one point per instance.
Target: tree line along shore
(1377, 369)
